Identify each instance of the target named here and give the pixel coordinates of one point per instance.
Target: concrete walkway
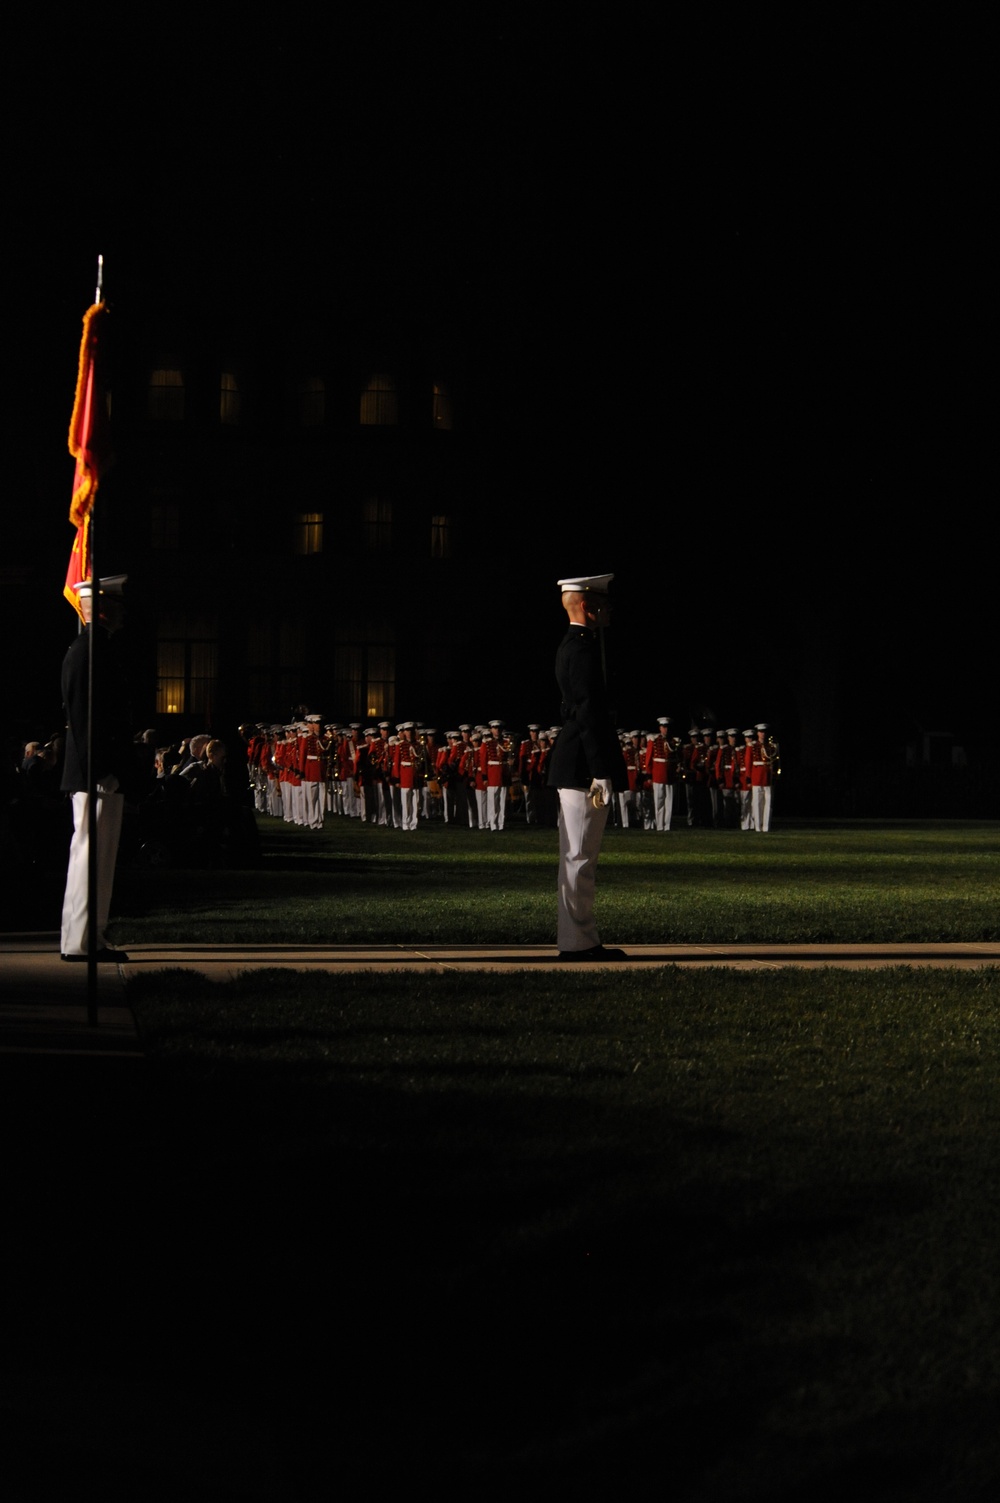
(43, 1001)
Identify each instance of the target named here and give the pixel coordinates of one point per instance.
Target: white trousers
(760, 801)
(663, 805)
(496, 803)
(384, 804)
(312, 805)
(408, 807)
(75, 929)
(581, 828)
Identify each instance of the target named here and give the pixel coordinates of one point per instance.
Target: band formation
(478, 776)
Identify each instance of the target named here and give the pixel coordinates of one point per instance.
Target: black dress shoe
(103, 957)
(598, 952)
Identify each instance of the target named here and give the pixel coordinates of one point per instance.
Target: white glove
(602, 785)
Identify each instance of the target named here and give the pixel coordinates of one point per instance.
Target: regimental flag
(79, 565)
(88, 446)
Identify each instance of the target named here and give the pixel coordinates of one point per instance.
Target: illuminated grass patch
(352, 884)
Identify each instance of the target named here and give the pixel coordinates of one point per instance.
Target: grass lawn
(720, 1235)
(350, 883)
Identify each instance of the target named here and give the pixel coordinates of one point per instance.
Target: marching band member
(310, 768)
(760, 780)
(408, 775)
(659, 768)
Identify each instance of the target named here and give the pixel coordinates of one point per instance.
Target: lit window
(364, 667)
(380, 678)
(380, 402)
(166, 395)
(186, 667)
(376, 519)
(230, 399)
(440, 537)
(312, 402)
(309, 532)
(170, 678)
(443, 414)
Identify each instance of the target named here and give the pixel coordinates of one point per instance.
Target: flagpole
(92, 835)
(93, 667)
(89, 448)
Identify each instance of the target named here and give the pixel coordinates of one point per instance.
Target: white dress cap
(598, 582)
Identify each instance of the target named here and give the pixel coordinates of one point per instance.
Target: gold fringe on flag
(87, 421)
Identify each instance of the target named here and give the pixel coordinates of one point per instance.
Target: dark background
(721, 292)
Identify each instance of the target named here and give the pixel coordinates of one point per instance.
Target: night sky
(723, 296)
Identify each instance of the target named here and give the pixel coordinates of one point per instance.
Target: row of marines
(477, 775)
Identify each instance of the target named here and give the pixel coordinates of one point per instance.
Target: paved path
(224, 962)
(43, 1001)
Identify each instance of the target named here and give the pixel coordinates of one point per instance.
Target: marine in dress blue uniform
(586, 766)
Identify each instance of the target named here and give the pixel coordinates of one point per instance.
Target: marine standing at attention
(586, 766)
(113, 758)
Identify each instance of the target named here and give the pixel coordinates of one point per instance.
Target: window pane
(202, 660)
(443, 416)
(348, 678)
(186, 670)
(376, 517)
(229, 399)
(166, 395)
(170, 678)
(440, 537)
(379, 402)
(170, 696)
(309, 532)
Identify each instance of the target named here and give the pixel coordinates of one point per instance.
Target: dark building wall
(208, 515)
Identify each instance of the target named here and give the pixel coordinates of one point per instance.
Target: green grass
(904, 882)
(735, 1232)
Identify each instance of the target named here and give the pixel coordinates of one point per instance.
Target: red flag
(79, 564)
(88, 446)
